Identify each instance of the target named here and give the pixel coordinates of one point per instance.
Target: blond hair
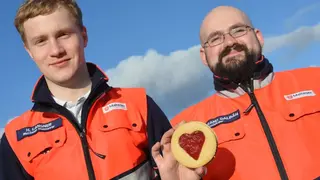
(32, 8)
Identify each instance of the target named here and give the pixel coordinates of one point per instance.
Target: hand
(169, 167)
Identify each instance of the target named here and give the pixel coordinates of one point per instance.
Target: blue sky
(154, 44)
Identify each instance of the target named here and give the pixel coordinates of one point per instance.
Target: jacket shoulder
(136, 97)
(196, 111)
(132, 93)
(302, 73)
(19, 122)
(130, 89)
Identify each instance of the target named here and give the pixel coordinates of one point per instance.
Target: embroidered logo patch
(224, 119)
(298, 95)
(114, 106)
(41, 127)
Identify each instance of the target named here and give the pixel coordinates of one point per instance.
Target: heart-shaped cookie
(192, 143)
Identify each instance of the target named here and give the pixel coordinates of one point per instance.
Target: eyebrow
(237, 25)
(60, 31)
(66, 29)
(231, 27)
(37, 38)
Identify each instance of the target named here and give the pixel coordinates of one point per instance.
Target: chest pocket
(228, 126)
(123, 124)
(42, 141)
(300, 109)
(303, 117)
(229, 135)
(229, 132)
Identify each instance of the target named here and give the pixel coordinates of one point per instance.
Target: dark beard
(237, 71)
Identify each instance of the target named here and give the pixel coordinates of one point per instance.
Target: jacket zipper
(84, 142)
(82, 131)
(84, 116)
(267, 131)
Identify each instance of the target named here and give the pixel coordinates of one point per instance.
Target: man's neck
(73, 90)
(262, 76)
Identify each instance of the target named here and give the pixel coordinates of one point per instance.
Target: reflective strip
(258, 83)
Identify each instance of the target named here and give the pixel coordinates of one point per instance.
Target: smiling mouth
(59, 62)
(233, 57)
(234, 52)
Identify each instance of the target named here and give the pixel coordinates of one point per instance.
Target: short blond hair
(32, 8)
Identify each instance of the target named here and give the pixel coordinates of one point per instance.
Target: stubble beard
(239, 68)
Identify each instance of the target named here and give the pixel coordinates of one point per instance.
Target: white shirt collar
(69, 103)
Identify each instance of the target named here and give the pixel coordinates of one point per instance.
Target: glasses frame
(231, 33)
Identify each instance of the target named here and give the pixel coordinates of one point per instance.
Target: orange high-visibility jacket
(270, 133)
(113, 141)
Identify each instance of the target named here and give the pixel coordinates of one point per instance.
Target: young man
(80, 128)
(267, 123)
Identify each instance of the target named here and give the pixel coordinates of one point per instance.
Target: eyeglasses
(220, 37)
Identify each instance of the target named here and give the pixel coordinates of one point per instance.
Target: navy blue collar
(41, 92)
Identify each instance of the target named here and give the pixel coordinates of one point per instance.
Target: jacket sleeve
(157, 125)
(10, 166)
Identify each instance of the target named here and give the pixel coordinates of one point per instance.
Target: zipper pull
(249, 90)
(82, 135)
(248, 110)
(251, 85)
(97, 154)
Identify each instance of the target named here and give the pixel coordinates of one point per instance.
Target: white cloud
(298, 39)
(179, 79)
(311, 9)
(169, 79)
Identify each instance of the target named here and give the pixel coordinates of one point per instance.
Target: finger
(201, 171)
(165, 141)
(155, 151)
(166, 138)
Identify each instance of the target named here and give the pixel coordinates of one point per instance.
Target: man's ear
(259, 37)
(203, 56)
(28, 50)
(84, 36)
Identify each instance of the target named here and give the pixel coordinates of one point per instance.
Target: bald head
(220, 18)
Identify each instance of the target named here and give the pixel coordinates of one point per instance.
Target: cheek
(252, 44)
(212, 56)
(39, 55)
(73, 48)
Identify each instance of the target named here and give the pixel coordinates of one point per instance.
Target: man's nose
(229, 40)
(56, 49)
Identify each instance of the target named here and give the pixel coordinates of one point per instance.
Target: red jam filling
(192, 143)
